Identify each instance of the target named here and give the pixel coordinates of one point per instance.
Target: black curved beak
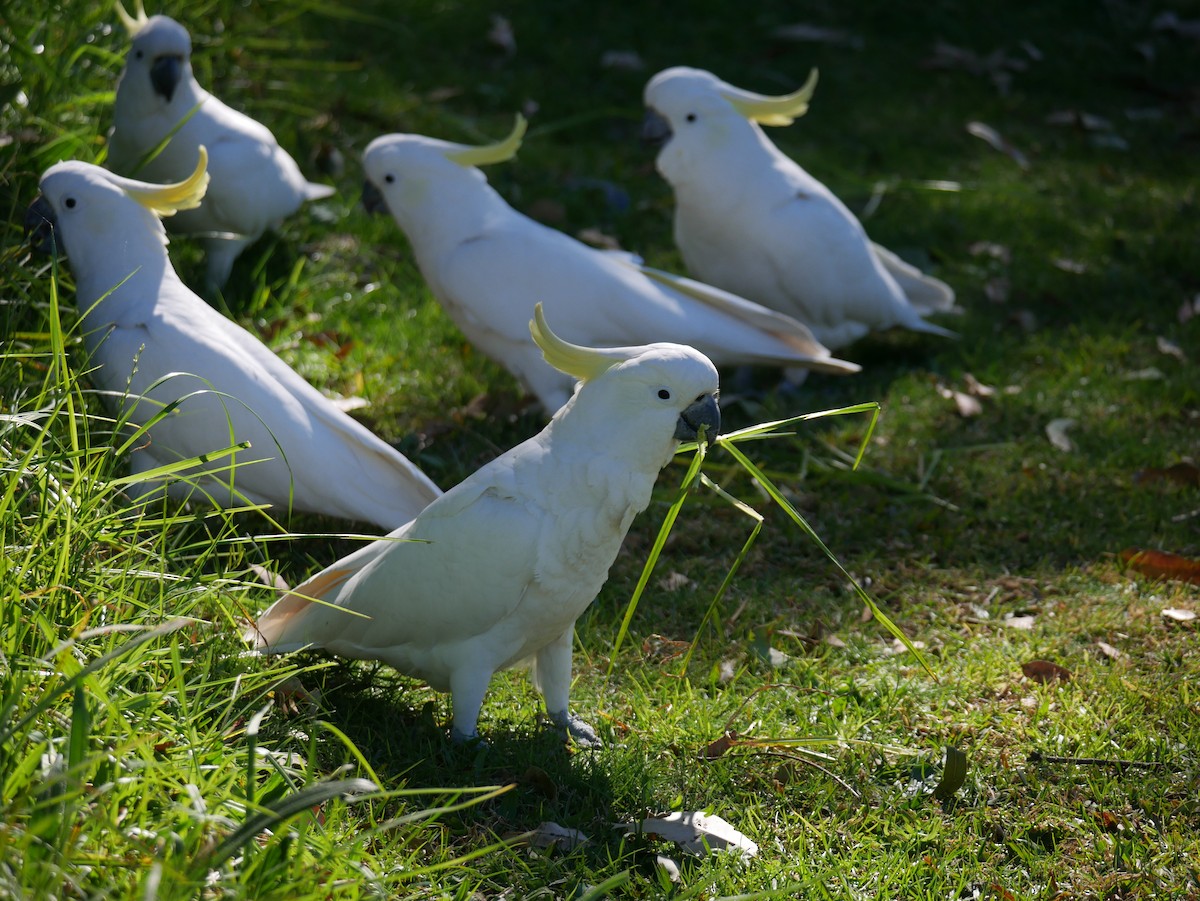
(165, 73)
(372, 198)
(705, 413)
(39, 226)
(656, 130)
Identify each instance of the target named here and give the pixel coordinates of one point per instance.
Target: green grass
(135, 778)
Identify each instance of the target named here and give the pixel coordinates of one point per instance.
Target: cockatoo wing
(606, 299)
(791, 331)
(333, 464)
(473, 560)
(926, 293)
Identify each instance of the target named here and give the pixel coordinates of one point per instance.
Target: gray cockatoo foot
(462, 738)
(573, 727)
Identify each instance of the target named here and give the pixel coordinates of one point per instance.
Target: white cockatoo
(506, 561)
(255, 183)
(155, 347)
(489, 264)
(748, 219)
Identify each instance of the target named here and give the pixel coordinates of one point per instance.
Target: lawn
(1010, 475)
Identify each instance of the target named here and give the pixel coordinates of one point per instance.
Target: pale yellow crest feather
(132, 25)
(492, 153)
(167, 200)
(782, 110)
(581, 362)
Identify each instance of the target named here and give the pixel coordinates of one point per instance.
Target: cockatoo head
(402, 169)
(92, 214)
(160, 58)
(649, 398)
(691, 114)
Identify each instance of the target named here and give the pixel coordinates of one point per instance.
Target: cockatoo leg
(552, 676)
(467, 688)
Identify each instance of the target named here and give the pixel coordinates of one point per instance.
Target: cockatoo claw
(574, 727)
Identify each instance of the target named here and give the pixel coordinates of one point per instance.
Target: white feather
(752, 221)
(255, 183)
(489, 264)
(510, 557)
(152, 341)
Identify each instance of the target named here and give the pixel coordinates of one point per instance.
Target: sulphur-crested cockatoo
(488, 265)
(156, 347)
(255, 183)
(748, 219)
(509, 558)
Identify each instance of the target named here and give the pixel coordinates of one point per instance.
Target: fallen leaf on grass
(997, 289)
(674, 581)
(696, 832)
(976, 387)
(994, 139)
(967, 406)
(1045, 671)
(1068, 265)
(1162, 565)
(552, 835)
(817, 34)
(991, 249)
(622, 60)
(1024, 623)
(1079, 119)
(1187, 474)
(1056, 431)
(1109, 651)
(1170, 348)
(1179, 614)
(719, 747)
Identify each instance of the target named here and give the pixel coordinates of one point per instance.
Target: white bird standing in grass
(488, 265)
(507, 560)
(158, 348)
(255, 183)
(750, 220)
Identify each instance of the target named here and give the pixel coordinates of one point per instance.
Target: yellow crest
(766, 110)
(492, 153)
(132, 25)
(167, 200)
(581, 362)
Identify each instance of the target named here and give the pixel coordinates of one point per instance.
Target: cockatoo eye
(389, 178)
(664, 393)
(138, 54)
(69, 203)
(691, 117)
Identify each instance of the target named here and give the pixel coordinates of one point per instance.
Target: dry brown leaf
(1162, 565)
(1179, 614)
(1109, 651)
(976, 387)
(1025, 623)
(1182, 473)
(719, 747)
(1056, 431)
(674, 581)
(1045, 671)
(1068, 265)
(540, 781)
(996, 141)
